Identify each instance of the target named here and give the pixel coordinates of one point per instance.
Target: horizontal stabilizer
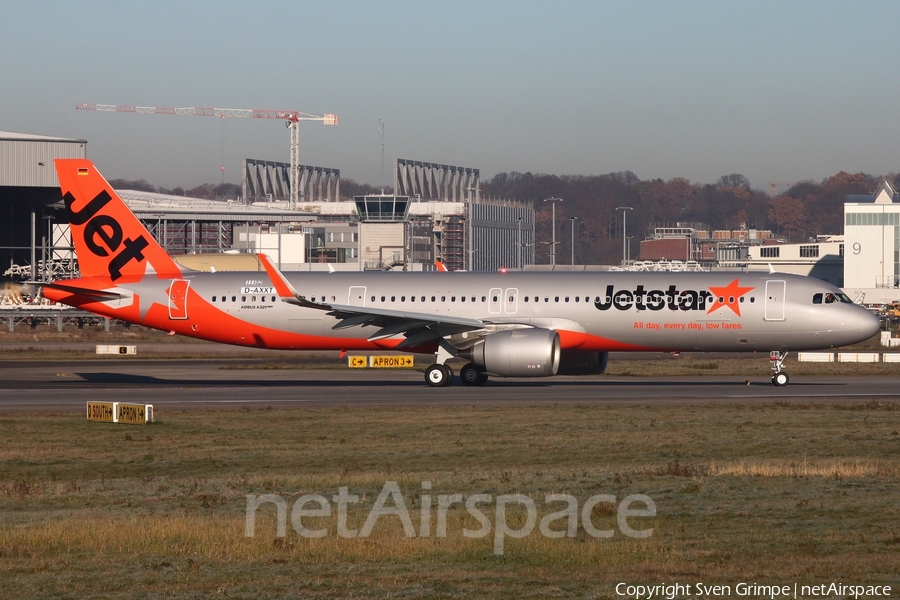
(100, 295)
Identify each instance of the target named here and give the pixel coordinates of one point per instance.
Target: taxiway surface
(216, 383)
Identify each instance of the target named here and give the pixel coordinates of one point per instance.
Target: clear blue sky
(772, 90)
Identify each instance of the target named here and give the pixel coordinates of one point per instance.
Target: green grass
(770, 493)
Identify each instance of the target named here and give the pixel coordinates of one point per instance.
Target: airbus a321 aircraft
(508, 324)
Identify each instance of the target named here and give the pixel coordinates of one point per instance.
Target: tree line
(804, 210)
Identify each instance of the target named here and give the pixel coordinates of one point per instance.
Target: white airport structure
(822, 258)
(872, 247)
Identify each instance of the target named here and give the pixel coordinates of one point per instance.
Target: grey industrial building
(443, 218)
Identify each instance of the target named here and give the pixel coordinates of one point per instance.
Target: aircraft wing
(418, 328)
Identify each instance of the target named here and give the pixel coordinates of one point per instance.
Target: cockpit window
(831, 298)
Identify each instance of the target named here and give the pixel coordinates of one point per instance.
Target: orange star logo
(728, 296)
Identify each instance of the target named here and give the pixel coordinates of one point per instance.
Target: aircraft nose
(864, 321)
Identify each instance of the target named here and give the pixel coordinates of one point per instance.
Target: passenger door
(775, 300)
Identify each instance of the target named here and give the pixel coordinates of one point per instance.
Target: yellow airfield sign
(397, 361)
(403, 361)
(101, 411)
(133, 413)
(358, 362)
(119, 412)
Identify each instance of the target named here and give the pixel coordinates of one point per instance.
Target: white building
(872, 247)
(822, 259)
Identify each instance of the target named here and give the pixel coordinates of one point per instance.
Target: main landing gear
(472, 375)
(779, 377)
(440, 375)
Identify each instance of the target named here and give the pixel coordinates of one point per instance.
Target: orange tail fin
(109, 240)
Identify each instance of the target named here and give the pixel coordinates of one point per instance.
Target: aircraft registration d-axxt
(509, 324)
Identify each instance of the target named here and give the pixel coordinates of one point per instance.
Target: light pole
(628, 256)
(473, 192)
(519, 244)
(624, 210)
(573, 219)
(553, 202)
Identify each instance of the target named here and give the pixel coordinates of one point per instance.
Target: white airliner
(511, 324)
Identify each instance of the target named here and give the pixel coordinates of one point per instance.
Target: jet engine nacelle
(517, 353)
(581, 362)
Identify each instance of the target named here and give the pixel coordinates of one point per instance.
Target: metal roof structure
(150, 205)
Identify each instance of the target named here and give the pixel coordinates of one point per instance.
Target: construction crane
(774, 185)
(291, 119)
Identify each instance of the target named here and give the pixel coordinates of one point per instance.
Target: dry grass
(771, 493)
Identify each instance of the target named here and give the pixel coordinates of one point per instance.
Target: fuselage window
(752, 299)
(577, 298)
(556, 299)
(452, 298)
(263, 298)
(567, 298)
(412, 298)
(495, 299)
(473, 298)
(484, 298)
(730, 299)
(462, 298)
(373, 298)
(243, 298)
(423, 298)
(273, 298)
(443, 298)
(402, 298)
(512, 298)
(432, 298)
(721, 299)
(546, 299)
(253, 298)
(742, 299)
(526, 298)
(382, 298)
(214, 298)
(233, 299)
(393, 298)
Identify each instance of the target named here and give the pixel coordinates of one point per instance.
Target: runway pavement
(219, 383)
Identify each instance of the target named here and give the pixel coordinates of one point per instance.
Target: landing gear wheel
(780, 379)
(470, 375)
(438, 375)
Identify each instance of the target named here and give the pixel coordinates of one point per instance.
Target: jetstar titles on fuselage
(672, 298)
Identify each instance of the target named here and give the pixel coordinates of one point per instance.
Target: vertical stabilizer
(109, 240)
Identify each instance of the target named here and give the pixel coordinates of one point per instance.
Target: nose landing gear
(779, 377)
